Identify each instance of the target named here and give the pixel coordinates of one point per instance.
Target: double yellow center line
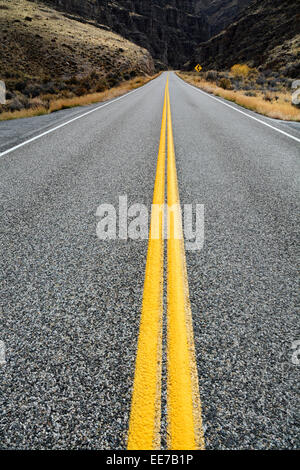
(183, 401)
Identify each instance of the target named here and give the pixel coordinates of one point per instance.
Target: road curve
(71, 303)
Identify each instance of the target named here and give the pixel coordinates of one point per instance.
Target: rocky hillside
(44, 55)
(220, 13)
(39, 43)
(265, 35)
(169, 29)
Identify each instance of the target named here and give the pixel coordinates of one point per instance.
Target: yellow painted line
(144, 424)
(185, 431)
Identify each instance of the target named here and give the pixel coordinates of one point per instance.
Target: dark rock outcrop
(265, 34)
(169, 29)
(220, 13)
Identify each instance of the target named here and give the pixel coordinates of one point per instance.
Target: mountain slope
(45, 56)
(265, 34)
(39, 41)
(220, 13)
(169, 29)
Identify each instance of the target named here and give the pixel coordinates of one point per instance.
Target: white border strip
(71, 120)
(239, 110)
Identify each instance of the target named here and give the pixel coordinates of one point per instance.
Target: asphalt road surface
(71, 303)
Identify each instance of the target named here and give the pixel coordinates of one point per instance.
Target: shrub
(80, 91)
(126, 76)
(268, 72)
(85, 83)
(102, 85)
(225, 83)
(94, 75)
(253, 72)
(268, 97)
(48, 88)
(237, 84)
(15, 105)
(250, 93)
(18, 103)
(36, 103)
(32, 90)
(9, 95)
(240, 70)
(113, 80)
(61, 86)
(46, 79)
(20, 86)
(271, 82)
(211, 75)
(72, 80)
(261, 80)
(25, 101)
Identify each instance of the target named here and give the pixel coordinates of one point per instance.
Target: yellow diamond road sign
(198, 68)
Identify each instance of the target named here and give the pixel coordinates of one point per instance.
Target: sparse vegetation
(46, 57)
(240, 70)
(267, 93)
(48, 104)
(225, 83)
(265, 35)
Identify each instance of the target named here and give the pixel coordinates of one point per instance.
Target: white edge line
(69, 122)
(240, 111)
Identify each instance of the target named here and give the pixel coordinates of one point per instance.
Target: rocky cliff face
(220, 13)
(169, 29)
(266, 34)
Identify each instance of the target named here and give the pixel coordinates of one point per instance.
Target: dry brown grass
(64, 103)
(114, 92)
(23, 113)
(279, 107)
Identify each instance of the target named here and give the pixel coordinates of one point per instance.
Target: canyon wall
(169, 29)
(266, 35)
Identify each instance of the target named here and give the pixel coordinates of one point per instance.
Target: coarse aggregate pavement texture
(70, 303)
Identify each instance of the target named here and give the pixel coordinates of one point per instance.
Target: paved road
(71, 303)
